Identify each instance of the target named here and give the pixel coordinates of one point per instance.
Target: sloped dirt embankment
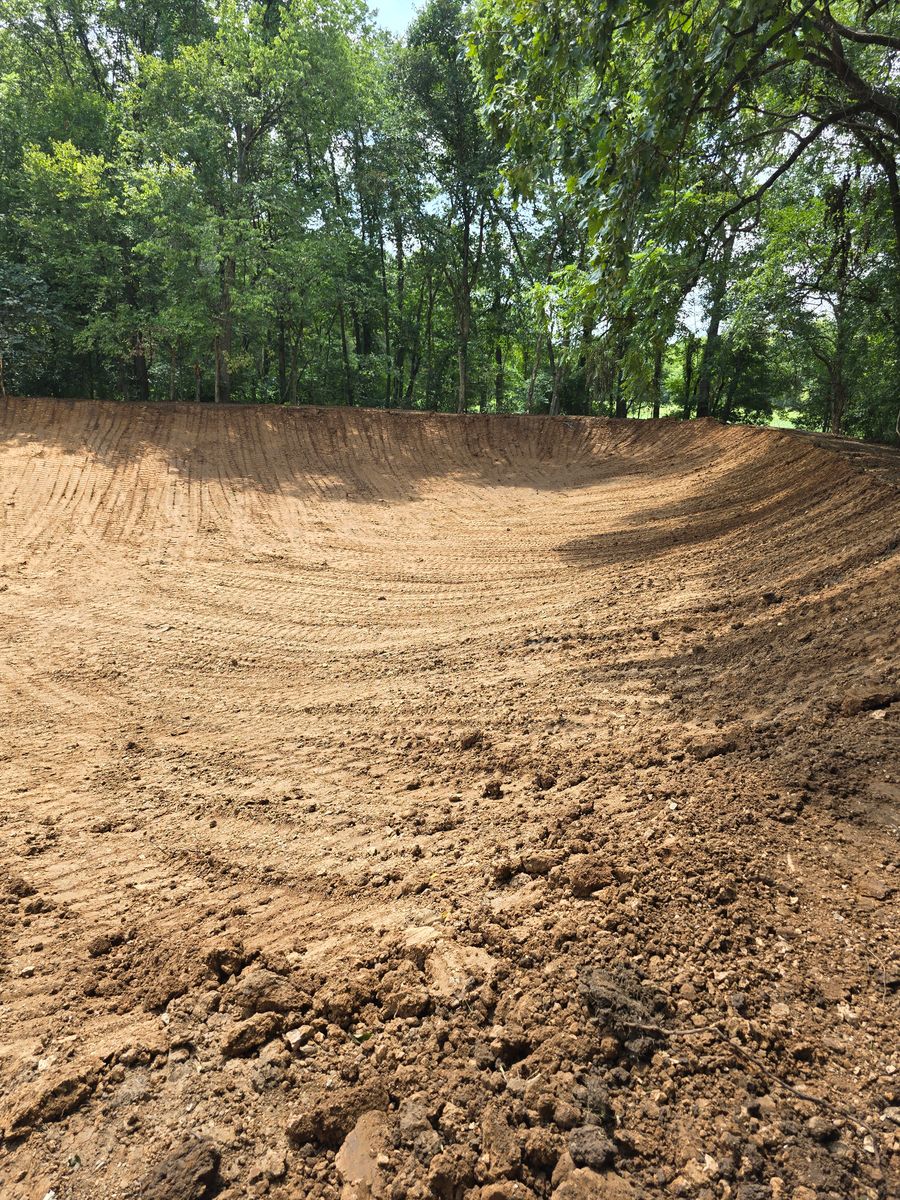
(399, 806)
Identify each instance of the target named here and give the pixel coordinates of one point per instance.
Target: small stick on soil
(752, 1061)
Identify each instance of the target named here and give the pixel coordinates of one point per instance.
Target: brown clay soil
(397, 805)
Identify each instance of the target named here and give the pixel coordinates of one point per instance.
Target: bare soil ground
(396, 806)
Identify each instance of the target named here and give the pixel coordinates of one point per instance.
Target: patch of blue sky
(395, 15)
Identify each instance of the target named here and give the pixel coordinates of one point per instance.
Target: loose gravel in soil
(398, 806)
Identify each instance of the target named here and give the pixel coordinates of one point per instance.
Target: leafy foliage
(676, 127)
(623, 207)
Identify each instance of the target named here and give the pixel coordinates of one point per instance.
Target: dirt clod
(325, 1118)
(187, 1173)
(589, 1147)
(588, 873)
(251, 1034)
(49, 1099)
(258, 990)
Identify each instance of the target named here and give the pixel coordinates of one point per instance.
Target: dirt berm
(397, 805)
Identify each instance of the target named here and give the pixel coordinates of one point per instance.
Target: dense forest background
(617, 208)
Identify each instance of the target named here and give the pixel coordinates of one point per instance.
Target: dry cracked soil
(398, 806)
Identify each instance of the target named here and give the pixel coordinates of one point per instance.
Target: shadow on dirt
(363, 455)
(795, 503)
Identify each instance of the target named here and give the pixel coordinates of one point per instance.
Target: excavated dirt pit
(396, 806)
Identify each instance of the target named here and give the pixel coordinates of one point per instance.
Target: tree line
(616, 208)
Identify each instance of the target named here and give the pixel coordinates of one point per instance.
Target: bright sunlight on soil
(398, 805)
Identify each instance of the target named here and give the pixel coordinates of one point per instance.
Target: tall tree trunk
(499, 380)
(361, 333)
(711, 346)
(400, 338)
(838, 397)
(226, 335)
(621, 402)
(529, 399)
(463, 331)
(399, 373)
(386, 322)
(282, 361)
(657, 382)
(462, 364)
(464, 314)
(587, 336)
(844, 232)
(839, 403)
(173, 374)
(429, 357)
(295, 355)
(556, 369)
(292, 381)
(141, 373)
(690, 342)
(345, 356)
(415, 364)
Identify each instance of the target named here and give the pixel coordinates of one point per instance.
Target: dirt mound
(398, 805)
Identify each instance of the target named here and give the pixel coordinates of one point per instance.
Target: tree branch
(803, 144)
(876, 98)
(858, 35)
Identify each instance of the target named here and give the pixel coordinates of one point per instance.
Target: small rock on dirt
(402, 992)
(506, 1189)
(451, 1172)
(326, 1117)
(225, 959)
(588, 873)
(356, 1161)
(452, 969)
(821, 1128)
(262, 991)
(14, 885)
(589, 1147)
(104, 943)
(499, 1143)
(585, 1184)
(295, 1038)
(251, 1034)
(864, 700)
(875, 888)
(50, 1100)
(189, 1173)
(538, 863)
(272, 1167)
